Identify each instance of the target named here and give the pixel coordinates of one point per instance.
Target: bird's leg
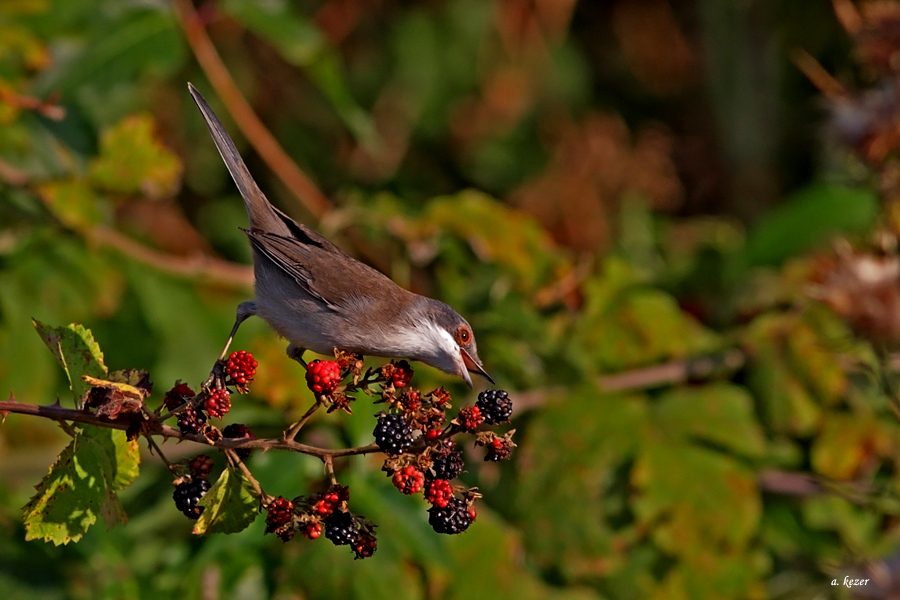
(296, 353)
(216, 379)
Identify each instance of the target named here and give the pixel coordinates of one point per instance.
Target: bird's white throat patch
(430, 343)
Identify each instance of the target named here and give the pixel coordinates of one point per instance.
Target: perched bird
(319, 298)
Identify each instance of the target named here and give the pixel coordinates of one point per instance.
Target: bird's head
(444, 340)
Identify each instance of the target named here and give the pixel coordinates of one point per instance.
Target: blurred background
(671, 223)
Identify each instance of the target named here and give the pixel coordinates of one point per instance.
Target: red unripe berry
(323, 508)
(312, 530)
(278, 514)
(408, 480)
(433, 434)
(323, 376)
(200, 466)
(402, 374)
(241, 367)
(439, 492)
(218, 403)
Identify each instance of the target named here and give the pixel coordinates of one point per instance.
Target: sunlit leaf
(848, 443)
(692, 497)
(77, 352)
(80, 487)
(73, 202)
(133, 161)
(719, 413)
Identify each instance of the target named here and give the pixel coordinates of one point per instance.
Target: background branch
(250, 125)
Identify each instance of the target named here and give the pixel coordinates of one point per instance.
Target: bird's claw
(216, 379)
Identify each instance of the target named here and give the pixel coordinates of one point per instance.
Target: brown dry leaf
(657, 51)
(864, 289)
(122, 393)
(596, 162)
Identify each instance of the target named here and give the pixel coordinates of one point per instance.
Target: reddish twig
(253, 129)
(200, 267)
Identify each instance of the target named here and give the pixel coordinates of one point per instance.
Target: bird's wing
(309, 263)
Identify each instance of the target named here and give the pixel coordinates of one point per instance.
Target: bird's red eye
(463, 335)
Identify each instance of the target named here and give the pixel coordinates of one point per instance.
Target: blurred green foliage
(494, 156)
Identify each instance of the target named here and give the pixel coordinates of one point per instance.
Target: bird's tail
(260, 212)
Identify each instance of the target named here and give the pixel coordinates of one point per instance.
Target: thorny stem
(329, 470)
(157, 428)
(235, 461)
(292, 431)
(159, 453)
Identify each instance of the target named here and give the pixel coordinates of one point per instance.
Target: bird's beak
(473, 366)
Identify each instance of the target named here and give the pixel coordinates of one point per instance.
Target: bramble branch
(154, 427)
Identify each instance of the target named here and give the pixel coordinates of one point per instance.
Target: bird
(320, 298)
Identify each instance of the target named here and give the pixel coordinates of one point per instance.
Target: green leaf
(574, 447)
(626, 325)
(80, 487)
(808, 218)
(858, 527)
(720, 413)
(788, 405)
(690, 498)
(77, 352)
(301, 43)
(133, 161)
(229, 506)
(135, 42)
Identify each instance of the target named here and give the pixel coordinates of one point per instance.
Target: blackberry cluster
(187, 494)
(495, 405)
(241, 367)
(191, 420)
(218, 403)
(447, 466)
(455, 517)
(341, 528)
(393, 434)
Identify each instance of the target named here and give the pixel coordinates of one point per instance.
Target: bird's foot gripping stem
(216, 379)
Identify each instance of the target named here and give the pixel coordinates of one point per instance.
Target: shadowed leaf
(229, 506)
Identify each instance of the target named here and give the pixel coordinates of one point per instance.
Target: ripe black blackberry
(447, 466)
(341, 528)
(239, 431)
(495, 405)
(453, 518)
(187, 494)
(393, 434)
(191, 420)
